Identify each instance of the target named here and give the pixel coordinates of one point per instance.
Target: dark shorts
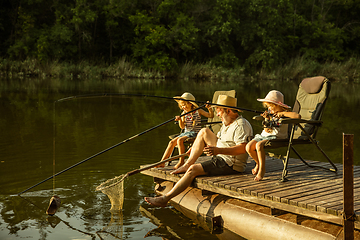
(217, 166)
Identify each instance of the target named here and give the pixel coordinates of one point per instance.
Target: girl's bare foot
(179, 164)
(255, 170)
(259, 177)
(160, 166)
(156, 201)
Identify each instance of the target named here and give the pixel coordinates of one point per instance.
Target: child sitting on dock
(274, 102)
(190, 123)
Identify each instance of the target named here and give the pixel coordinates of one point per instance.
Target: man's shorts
(217, 166)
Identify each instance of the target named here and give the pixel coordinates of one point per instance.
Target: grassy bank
(346, 71)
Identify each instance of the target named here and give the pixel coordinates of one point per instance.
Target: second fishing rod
(152, 96)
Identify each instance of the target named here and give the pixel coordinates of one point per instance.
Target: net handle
(155, 164)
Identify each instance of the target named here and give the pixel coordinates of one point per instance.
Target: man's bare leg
(204, 137)
(161, 201)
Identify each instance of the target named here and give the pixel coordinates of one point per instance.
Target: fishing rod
(151, 96)
(103, 151)
(104, 185)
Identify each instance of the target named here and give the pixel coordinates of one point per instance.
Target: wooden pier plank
(309, 191)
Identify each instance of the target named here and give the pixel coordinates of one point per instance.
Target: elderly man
(227, 149)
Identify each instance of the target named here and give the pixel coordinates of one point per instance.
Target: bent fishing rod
(151, 96)
(105, 150)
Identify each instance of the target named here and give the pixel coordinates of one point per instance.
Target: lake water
(41, 135)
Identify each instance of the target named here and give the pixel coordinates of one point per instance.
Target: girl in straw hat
(274, 102)
(190, 123)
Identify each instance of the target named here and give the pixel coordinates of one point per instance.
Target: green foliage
(161, 35)
(162, 38)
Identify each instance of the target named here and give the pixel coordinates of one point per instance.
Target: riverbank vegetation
(299, 68)
(202, 39)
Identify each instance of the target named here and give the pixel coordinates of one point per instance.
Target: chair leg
(286, 160)
(318, 147)
(334, 169)
(298, 154)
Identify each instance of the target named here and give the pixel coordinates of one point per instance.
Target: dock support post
(348, 186)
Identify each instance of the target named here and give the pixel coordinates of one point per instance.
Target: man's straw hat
(275, 97)
(226, 100)
(186, 96)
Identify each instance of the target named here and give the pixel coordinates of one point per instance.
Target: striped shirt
(192, 122)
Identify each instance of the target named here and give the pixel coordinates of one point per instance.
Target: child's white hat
(186, 96)
(275, 97)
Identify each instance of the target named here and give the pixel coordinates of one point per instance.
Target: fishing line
(105, 150)
(149, 96)
(126, 140)
(54, 142)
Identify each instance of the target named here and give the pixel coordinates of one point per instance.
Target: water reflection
(114, 229)
(83, 127)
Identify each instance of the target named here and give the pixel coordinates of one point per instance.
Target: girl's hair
(192, 108)
(266, 104)
(182, 101)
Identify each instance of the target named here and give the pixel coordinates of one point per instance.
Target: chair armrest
(209, 123)
(298, 121)
(291, 120)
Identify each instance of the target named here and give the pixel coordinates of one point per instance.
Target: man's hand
(211, 151)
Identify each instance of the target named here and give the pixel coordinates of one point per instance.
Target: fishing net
(114, 189)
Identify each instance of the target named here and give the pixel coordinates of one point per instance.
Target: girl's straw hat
(186, 96)
(228, 101)
(275, 97)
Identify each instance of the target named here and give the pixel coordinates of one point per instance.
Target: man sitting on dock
(227, 149)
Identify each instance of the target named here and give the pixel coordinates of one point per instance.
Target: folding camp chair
(310, 102)
(213, 123)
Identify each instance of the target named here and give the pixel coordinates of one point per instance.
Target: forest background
(204, 39)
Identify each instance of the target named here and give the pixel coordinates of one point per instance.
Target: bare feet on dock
(156, 201)
(259, 176)
(255, 170)
(160, 166)
(179, 164)
(181, 169)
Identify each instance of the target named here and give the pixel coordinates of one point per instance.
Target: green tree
(118, 27)
(163, 35)
(221, 32)
(83, 15)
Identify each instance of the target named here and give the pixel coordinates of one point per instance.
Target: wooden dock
(311, 192)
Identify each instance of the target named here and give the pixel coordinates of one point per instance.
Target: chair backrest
(310, 102)
(216, 127)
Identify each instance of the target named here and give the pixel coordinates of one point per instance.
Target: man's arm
(235, 150)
